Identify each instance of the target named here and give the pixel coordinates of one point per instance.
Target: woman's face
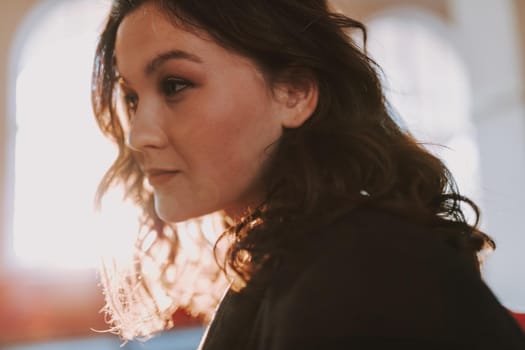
(202, 118)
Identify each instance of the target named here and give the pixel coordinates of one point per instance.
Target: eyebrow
(170, 55)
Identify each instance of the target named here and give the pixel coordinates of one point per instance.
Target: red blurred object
(34, 309)
(520, 318)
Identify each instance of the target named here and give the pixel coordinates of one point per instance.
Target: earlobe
(300, 103)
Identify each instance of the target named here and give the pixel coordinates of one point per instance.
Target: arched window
(427, 84)
(59, 153)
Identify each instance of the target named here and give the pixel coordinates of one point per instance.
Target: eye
(171, 86)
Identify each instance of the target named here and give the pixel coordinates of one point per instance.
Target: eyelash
(167, 84)
(169, 87)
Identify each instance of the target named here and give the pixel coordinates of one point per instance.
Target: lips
(157, 177)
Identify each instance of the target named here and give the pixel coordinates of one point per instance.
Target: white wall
(487, 35)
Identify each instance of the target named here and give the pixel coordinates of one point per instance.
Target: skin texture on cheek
(239, 143)
(238, 123)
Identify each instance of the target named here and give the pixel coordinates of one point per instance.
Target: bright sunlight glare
(60, 154)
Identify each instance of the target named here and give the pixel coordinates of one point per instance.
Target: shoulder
(372, 241)
(372, 273)
(365, 249)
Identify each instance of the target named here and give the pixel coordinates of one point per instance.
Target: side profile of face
(203, 120)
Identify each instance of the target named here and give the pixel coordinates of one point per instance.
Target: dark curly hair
(349, 154)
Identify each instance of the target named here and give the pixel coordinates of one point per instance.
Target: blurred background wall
(454, 73)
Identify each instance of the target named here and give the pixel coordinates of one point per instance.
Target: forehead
(147, 28)
(147, 32)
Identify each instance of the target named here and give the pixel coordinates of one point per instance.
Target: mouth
(158, 178)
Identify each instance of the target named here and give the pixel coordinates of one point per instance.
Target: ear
(298, 102)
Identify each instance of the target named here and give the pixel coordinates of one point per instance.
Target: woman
(340, 229)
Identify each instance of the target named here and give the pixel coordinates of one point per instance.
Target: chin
(171, 213)
(172, 216)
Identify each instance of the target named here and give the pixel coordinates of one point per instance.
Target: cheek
(234, 150)
(234, 145)
(233, 126)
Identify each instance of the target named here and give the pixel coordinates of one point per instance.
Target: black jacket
(368, 280)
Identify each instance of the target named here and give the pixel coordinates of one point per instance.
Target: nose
(146, 131)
